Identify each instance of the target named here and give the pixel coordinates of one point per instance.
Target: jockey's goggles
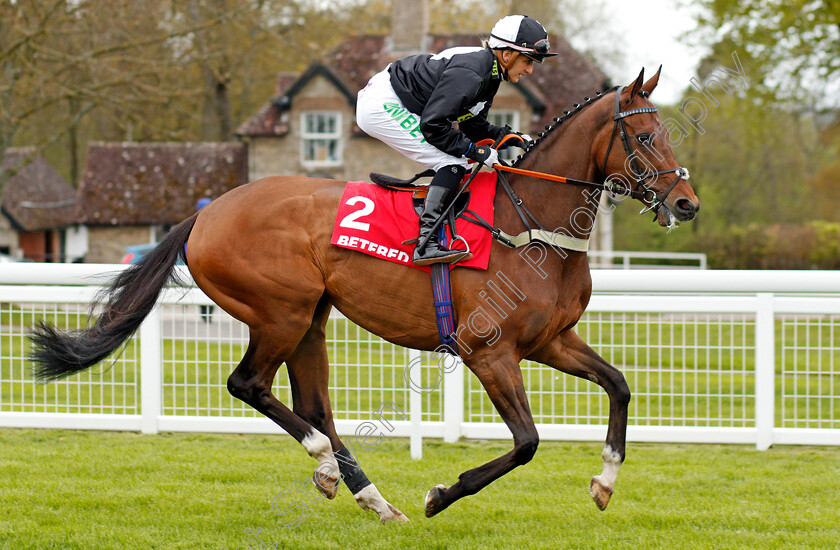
(537, 51)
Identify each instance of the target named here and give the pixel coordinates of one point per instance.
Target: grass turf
(104, 490)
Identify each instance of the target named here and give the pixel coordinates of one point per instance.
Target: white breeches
(380, 113)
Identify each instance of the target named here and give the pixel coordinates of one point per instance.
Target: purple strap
(442, 292)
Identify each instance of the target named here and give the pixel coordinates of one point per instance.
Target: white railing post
(765, 371)
(453, 397)
(415, 405)
(150, 366)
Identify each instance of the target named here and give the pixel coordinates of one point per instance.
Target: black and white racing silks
(456, 85)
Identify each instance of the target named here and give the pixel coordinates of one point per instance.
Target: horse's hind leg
(252, 379)
(309, 377)
(568, 353)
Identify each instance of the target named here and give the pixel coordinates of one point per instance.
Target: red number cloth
(375, 221)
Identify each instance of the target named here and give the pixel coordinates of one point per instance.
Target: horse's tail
(130, 298)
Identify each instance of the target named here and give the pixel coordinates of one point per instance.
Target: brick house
(132, 193)
(38, 207)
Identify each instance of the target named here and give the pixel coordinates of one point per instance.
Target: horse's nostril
(685, 205)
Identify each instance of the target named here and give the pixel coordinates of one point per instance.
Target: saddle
(419, 194)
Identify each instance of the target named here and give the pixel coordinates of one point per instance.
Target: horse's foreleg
(502, 380)
(309, 377)
(568, 353)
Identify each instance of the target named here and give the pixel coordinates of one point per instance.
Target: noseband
(654, 200)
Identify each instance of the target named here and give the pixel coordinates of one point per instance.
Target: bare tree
(62, 60)
(75, 70)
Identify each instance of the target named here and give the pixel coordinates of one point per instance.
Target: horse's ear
(651, 84)
(637, 85)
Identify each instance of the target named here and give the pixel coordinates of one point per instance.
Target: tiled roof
(268, 121)
(556, 85)
(37, 198)
(151, 183)
(284, 82)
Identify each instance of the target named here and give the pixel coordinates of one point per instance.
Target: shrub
(815, 245)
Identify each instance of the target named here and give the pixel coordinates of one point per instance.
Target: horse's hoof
(394, 517)
(600, 493)
(370, 499)
(327, 484)
(434, 500)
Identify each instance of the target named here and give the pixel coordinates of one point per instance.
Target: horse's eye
(643, 138)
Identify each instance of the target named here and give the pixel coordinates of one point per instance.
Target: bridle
(654, 200)
(640, 190)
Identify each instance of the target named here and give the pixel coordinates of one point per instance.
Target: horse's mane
(587, 101)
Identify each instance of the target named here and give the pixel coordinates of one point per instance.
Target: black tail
(130, 298)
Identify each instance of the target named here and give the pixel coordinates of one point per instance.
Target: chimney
(409, 26)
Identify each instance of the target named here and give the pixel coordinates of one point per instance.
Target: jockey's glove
(513, 142)
(483, 154)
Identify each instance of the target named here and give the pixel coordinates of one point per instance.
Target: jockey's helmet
(522, 34)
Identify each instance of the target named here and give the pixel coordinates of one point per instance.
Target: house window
(321, 138)
(506, 118)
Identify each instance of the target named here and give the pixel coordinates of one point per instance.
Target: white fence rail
(710, 356)
(624, 259)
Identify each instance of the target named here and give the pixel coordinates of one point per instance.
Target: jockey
(456, 85)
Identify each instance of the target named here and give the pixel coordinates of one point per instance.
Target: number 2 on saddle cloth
(377, 221)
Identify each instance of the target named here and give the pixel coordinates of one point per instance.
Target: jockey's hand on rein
(483, 154)
(522, 142)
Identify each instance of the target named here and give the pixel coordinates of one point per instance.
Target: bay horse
(262, 252)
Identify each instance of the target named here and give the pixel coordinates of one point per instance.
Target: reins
(649, 196)
(613, 187)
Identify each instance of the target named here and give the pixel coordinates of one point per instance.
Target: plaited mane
(587, 101)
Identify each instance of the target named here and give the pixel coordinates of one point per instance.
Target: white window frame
(306, 136)
(500, 117)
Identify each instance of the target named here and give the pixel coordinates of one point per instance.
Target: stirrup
(455, 256)
(465, 254)
(425, 262)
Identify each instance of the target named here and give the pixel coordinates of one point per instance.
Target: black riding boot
(436, 201)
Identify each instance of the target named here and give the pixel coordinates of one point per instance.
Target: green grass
(106, 490)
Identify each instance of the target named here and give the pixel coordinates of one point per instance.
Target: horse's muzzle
(684, 209)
